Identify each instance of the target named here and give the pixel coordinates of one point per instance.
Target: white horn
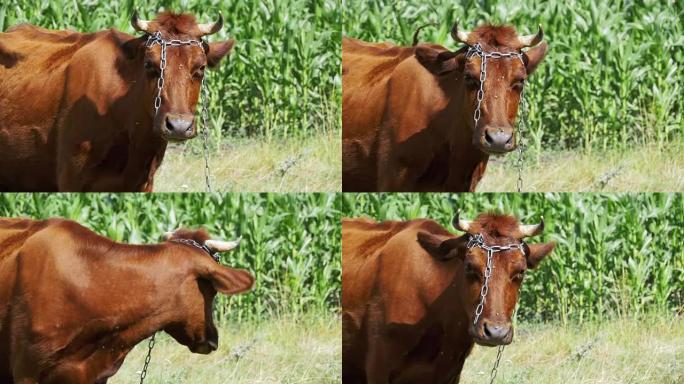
(532, 230)
(461, 225)
(457, 35)
(167, 235)
(139, 24)
(211, 28)
(531, 40)
(222, 246)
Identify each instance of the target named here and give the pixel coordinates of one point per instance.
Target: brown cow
(73, 303)
(408, 112)
(77, 109)
(410, 292)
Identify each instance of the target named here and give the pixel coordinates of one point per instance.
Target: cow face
(505, 77)
(183, 70)
(494, 325)
(205, 278)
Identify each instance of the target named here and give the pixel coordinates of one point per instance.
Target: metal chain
(478, 241)
(150, 345)
(157, 39)
(476, 50)
(205, 134)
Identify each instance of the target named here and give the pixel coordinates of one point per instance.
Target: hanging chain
(476, 50)
(205, 133)
(478, 241)
(150, 345)
(157, 39)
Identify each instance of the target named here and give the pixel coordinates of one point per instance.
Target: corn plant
(616, 253)
(613, 75)
(291, 243)
(280, 78)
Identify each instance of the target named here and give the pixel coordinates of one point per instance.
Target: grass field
(286, 350)
(641, 168)
(626, 350)
(254, 165)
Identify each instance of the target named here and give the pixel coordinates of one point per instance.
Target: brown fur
(407, 113)
(56, 86)
(73, 303)
(407, 311)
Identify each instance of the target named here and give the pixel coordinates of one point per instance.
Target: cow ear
(534, 56)
(436, 61)
(536, 252)
(218, 50)
(228, 281)
(440, 248)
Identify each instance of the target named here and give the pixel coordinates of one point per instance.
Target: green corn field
(613, 76)
(616, 254)
(280, 80)
(291, 243)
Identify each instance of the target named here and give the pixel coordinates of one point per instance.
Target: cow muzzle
(497, 139)
(178, 126)
(204, 348)
(490, 333)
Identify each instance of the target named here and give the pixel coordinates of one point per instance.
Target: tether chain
(476, 50)
(478, 241)
(150, 345)
(157, 39)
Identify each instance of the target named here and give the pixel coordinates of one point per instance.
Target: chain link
(150, 345)
(477, 240)
(476, 50)
(157, 39)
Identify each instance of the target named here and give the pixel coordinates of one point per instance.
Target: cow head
(505, 78)
(508, 270)
(194, 296)
(183, 73)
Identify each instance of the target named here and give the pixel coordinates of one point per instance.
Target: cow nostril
(488, 138)
(510, 140)
(486, 331)
(169, 124)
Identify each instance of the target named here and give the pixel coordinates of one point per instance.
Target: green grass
(288, 165)
(283, 350)
(291, 242)
(613, 75)
(279, 77)
(639, 168)
(618, 351)
(616, 254)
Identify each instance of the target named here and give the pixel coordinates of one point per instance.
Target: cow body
(403, 128)
(71, 117)
(410, 291)
(401, 321)
(73, 303)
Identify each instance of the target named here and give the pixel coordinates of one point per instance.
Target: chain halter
(477, 240)
(156, 38)
(476, 50)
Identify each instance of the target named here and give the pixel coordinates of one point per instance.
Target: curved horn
(139, 24)
(532, 230)
(458, 223)
(222, 246)
(531, 40)
(167, 235)
(457, 35)
(211, 28)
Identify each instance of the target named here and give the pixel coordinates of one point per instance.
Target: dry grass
(304, 350)
(295, 165)
(640, 169)
(612, 352)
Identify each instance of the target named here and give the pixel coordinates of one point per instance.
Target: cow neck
(467, 162)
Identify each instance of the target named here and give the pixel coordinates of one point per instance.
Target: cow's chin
(173, 137)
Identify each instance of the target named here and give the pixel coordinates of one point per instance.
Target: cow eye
(471, 271)
(199, 73)
(471, 81)
(151, 68)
